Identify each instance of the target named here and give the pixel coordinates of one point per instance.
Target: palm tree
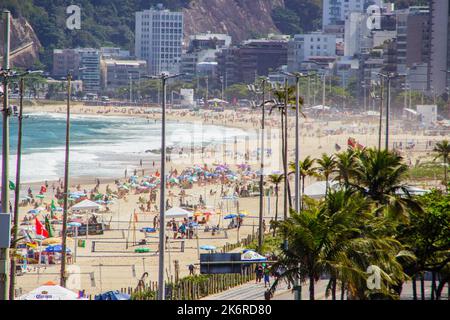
(307, 169)
(344, 164)
(327, 166)
(379, 175)
(443, 151)
(276, 179)
(339, 237)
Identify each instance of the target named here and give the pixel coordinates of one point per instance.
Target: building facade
(335, 12)
(303, 47)
(65, 60)
(90, 73)
(159, 39)
(118, 73)
(254, 58)
(440, 45)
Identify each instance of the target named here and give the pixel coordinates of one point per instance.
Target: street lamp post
(162, 238)
(4, 252)
(66, 187)
(63, 276)
(261, 179)
(388, 77)
(17, 186)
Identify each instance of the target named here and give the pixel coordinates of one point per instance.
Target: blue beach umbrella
(208, 248)
(230, 216)
(57, 248)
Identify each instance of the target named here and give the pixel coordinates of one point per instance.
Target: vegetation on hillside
(104, 22)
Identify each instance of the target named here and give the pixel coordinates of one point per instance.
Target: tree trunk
(303, 192)
(445, 174)
(433, 285)
(422, 287)
(333, 288)
(414, 288)
(439, 289)
(342, 291)
(311, 287)
(276, 209)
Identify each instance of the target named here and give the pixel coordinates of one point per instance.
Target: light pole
(4, 252)
(297, 77)
(17, 187)
(364, 85)
(221, 81)
(131, 89)
(388, 77)
(66, 184)
(261, 179)
(162, 239)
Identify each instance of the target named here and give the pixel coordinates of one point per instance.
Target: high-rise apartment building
(159, 39)
(440, 46)
(253, 58)
(90, 73)
(335, 12)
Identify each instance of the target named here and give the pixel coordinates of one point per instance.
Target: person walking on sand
(259, 273)
(266, 276)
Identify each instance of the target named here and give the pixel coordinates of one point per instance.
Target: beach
(113, 266)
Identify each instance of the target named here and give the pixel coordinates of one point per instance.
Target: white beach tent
(178, 213)
(86, 205)
(320, 107)
(317, 190)
(414, 191)
(50, 292)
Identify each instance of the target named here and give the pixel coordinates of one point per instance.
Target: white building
(304, 46)
(357, 36)
(159, 39)
(428, 114)
(335, 12)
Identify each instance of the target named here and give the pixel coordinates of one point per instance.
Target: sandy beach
(112, 266)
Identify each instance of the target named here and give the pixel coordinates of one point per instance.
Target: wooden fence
(193, 287)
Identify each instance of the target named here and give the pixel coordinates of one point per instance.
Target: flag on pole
(52, 208)
(40, 230)
(49, 228)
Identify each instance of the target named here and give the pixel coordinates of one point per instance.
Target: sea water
(101, 146)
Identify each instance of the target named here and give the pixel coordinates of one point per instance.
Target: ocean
(101, 147)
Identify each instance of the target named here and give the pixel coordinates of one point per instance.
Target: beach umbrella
(208, 248)
(229, 198)
(98, 196)
(250, 255)
(112, 295)
(50, 291)
(34, 211)
(174, 180)
(230, 216)
(40, 196)
(56, 248)
(198, 214)
(74, 224)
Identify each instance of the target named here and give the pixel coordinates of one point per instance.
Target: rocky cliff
(24, 40)
(241, 19)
